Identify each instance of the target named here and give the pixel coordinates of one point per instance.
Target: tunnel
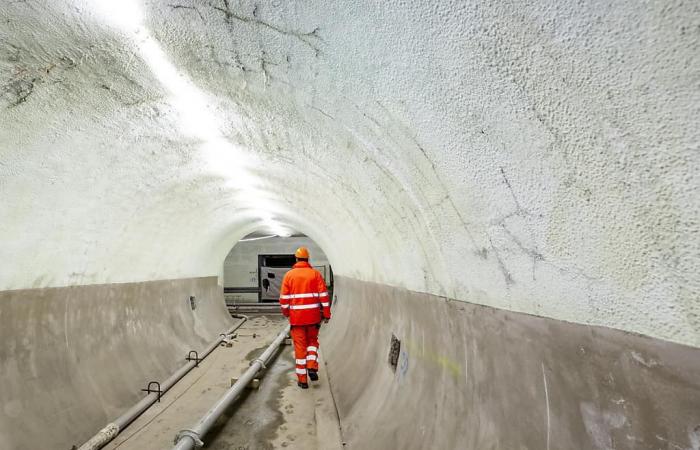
(507, 192)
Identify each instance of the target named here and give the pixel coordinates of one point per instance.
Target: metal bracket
(156, 390)
(190, 434)
(195, 359)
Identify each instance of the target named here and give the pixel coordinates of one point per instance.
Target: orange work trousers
(305, 338)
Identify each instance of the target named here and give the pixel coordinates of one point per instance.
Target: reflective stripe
(307, 295)
(284, 306)
(311, 348)
(301, 361)
(301, 371)
(313, 305)
(325, 304)
(311, 357)
(284, 297)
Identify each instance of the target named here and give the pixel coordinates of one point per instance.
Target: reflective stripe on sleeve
(311, 357)
(301, 361)
(284, 306)
(311, 348)
(301, 371)
(311, 306)
(325, 304)
(323, 294)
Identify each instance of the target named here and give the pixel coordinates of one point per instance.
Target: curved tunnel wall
(475, 377)
(532, 158)
(76, 358)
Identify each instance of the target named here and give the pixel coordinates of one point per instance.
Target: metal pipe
(109, 432)
(192, 438)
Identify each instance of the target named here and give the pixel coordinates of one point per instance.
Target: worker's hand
(325, 320)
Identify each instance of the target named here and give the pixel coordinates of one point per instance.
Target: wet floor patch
(253, 422)
(255, 352)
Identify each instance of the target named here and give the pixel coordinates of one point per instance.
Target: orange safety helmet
(302, 252)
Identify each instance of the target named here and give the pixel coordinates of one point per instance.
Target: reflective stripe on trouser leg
(312, 347)
(299, 338)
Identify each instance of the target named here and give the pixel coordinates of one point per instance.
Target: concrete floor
(277, 415)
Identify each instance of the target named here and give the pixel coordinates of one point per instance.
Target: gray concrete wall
(74, 358)
(475, 377)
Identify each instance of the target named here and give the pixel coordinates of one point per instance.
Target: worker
(304, 300)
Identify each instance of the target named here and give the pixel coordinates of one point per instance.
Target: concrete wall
(73, 359)
(475, 377)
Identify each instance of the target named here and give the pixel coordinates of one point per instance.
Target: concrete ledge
(475, 377)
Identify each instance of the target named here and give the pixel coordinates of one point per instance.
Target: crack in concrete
(533, 253)
(501, 265)
(300, 36)
(194, 8)
(510, 189)
(322, 112)
(523, 213)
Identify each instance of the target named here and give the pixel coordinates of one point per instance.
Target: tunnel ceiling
(538, 158)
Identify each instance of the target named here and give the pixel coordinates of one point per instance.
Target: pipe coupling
(262, 363)
(190, 434)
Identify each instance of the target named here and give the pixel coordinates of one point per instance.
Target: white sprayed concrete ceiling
(535, 157)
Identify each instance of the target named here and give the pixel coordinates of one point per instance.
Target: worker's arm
(284, 296)
(323, 297)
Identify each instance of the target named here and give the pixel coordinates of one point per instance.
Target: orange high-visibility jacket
(303, 296)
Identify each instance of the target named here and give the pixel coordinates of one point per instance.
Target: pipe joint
(258, 360)
(189, 434)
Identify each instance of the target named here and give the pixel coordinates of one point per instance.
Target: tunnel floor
(276, 415)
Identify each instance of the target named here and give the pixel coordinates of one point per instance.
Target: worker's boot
(313, 374)
(303, 385)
